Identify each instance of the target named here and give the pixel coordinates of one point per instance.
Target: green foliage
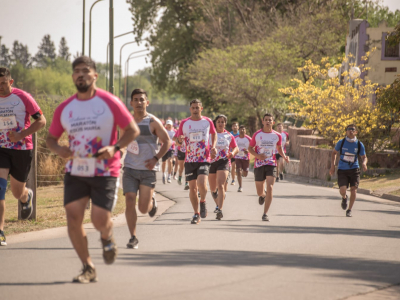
(63, 50)
(20, 54)
(46, 53)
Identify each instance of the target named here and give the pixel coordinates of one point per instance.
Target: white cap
(169, 122)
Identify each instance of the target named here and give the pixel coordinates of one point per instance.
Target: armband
(37, 115)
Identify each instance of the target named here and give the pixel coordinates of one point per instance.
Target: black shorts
(243, 164)
(167, 155)
(219, 165)
(261, 173)
(233, 160)
(18, 161)
(349, 177)
(194, 169)
(103, 190)
(277, 156)
(181, 155)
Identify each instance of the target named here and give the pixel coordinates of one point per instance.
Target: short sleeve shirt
(171, 134)
(266, 143)
(285, 138)
(225, 141)
(196, 134)
(235, 135)
(349, 150)
(15, 112)
(182, 147)
(91, 125)
(243, 144)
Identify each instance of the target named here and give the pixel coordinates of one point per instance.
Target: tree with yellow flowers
(330, 103)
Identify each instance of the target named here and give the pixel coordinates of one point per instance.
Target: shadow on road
(33, 283)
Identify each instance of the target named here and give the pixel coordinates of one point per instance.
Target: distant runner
(242, 158)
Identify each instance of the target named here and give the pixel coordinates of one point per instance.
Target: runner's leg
(353, 194)
(170, 167)
(101, 219)
(19, 189)
(75, 213)
(202, 186)
(145, 199)
(130, 212)
(221, 182)
(343, 190)
(212, 181)
(4, 175)
(239, 176)
(233, 170)
(260, 188)
(181, 164)
(270, 184)
(193, 195)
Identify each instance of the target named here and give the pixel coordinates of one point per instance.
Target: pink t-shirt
(225, 141)
(92, 124)
(182, 147)
(196, 138)
(266, 142)
(15, 112)
(243, 144)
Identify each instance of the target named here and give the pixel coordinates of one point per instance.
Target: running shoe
(163, 178)
(133, 243)
(233, 182)
(277, 179)
(348, 213)
(110, 250)
(261, 200)
(265, 218)
(180, 180)
(153, 211)
(169, 178)
(196, 219)
(2, 239)
(27, 208)
(203, 209)
(216, 209)
(281, 176)
(219, 215)
(198, 194)
(240, 189)
(174, 178)
(87, 275)
(214, 194)
(186, 186)
(344, 203)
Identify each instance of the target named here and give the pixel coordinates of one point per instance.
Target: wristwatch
(117, 147)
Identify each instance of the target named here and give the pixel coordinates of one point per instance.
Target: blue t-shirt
(351, 149)
(235, 135)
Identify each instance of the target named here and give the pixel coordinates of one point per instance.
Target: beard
(83, 88)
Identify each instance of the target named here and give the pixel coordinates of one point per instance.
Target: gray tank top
(147, 144)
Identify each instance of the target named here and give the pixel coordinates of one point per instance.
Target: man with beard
(16, 108)
(90, 119)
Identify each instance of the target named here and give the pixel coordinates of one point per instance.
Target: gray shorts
(132, 179)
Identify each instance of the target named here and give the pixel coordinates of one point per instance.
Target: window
(391, 51)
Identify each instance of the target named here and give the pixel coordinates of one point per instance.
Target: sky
(29, 20)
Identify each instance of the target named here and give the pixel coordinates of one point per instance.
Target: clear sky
(29, 20)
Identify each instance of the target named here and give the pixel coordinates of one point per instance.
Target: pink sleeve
(30, 104)
(56, 128)
(287, 134)
(233, 143)
(180, 130)
(212, 127)
(253, 140)
(279, 143)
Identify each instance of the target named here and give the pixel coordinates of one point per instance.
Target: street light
(120, 64)
(111, 43)
(90, 28)
(83, 30)
(127, 71)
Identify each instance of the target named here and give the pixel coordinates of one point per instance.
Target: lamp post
(83, 29)
(108, 48)
(90, 28)
(111, 83)
(120, 64)
(127, 72)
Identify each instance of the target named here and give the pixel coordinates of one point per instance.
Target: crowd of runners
(201, 149)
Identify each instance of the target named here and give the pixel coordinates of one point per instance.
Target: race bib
(83, 167)
(241, 153)
(348, 157)
(196, 137)
(268, 152)
(133, 147)
(8, 122)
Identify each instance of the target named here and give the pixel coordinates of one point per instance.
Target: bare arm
(333, 160)
(364, 162)
(280, 151)
(38, 124)
(52, 144)
(235, 151)
(255, 154)
(163, 137)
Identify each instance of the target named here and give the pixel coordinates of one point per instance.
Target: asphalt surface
(308, 250)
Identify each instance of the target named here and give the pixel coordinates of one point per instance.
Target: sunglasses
(351, 129)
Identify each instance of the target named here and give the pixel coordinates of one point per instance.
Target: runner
(16, 108)
(242, 158)
(264, 144)
(90, 119)
(349, 169)
(167, 158)
(141, 163)
(235, 133)
(181, 151)
(195, 131)
(279, 158)
(219, 169)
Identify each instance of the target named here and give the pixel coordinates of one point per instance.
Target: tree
(20, 54)
(46, 53)
(5, 57)
(63, 51)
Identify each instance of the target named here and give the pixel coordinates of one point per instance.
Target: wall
(294, 132)
(315, 163)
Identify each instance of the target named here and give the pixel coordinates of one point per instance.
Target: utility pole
(83, 30)
(111, 68)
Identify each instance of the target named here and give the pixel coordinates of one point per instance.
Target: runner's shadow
(390, 212)
(33, 283)
(318, 216)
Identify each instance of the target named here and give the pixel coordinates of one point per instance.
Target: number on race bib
(348, 157)
(8, 122)
(196, 137)
(83, 167)
(241, 153)
(133, 148)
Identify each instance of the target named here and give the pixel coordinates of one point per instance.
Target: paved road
(309, 250)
